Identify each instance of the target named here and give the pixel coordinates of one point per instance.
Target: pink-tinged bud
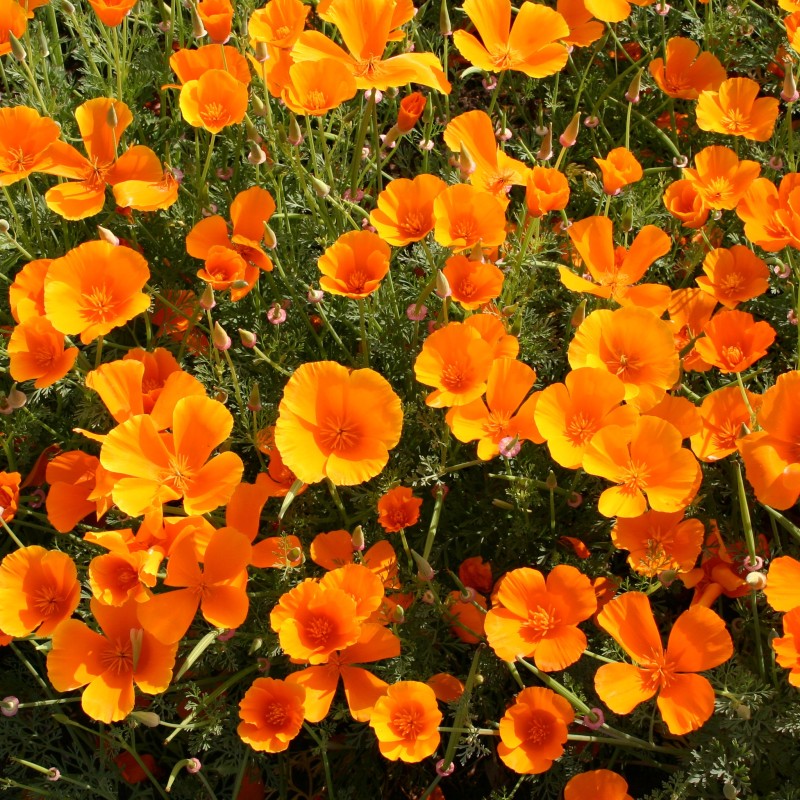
(667, 577)
(264, 665)
(756, 581)
(398, 615)
(295, 136)
(545, 152)
(425, 570)
(227, 635)
(789, 93)
(503, 134)
(510, 446)
(377, 93)
(680, 162)
(193, 766)
(443, 289)
(570, 135)
(466, 163)
(276, 314)
(106, 235)
(428, 597)
(776, 163)
(270, 239)
(295, 554)
(54, 774)
(248, 338)
(220, 339)
(358, 538)
(9, 706)
(632, 95)
(389, 140)
(663, 8)
(207, 301)
(198, 29)
(490, 83)
(416, 313)
(441, 771)
(782, 270)
(315, 295)
(12, 401)
(256, 155)
(594, 720)
(426, 144)
(575, 500)
(254, 399)
(261, 52)
(468, 594)
(591, 122)
(791, 315)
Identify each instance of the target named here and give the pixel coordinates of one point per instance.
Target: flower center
(455, 377)
(214, 115)
(99, 304)
(47, 600)
(732, 355)
(407, 723)
(637, 478)
(466, 228)
(355, 281)
(275, 715)
(18, 160)
(338, 435)
(316, 99)
(504, 57)
(117, 657)
(178, 475)
(414, 223)
(580, 428)
(319, 630)
(539, 729)
(731, 284)
(466, 289)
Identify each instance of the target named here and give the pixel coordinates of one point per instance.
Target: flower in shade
(698, 641)
(771, 215)
(734, 275)
(531, 45)
(787, 647)
(9, 494)
(733, 109)
(405, 209)
(271, 714)
(533, 731)
(338, 424)
(398, 509)
(734, 341)
(598, 784)
(770, 455)
(685, 72)
(648, 464)
(36, 352)
(619, 168)
(722, 415)
(783, 587)
(355, 264)
(683, 201)
(583, 28)
(539, 617)
(406, 722)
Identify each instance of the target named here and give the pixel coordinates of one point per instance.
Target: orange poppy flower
(147, 195)
(218, 589)
(720, 178)
(336, 549)
(38, 589)
(313, 620)
(616, 269)
(36, 352)
(546, 190)
(683, 201)
(126, 572)
(539, 618)
(26, 293)
(734, 275)
(493, 332)
(495, 172)
(455, 360)
(770, 455)
(723, 413)
(112, 12)
(405, 209)
(447, 687)
(157, 468)
(473, 283)
(337, 424)
(734, 110)
(466, 216)
(217, 18)
(783, 584)
(633, 344)
(272, 714)
(467, 620)
(278, 478)
(531, 45)
(360, 583)
(316, 87)
(411, 108)
(365, 27)
(175, 319)
(9, 494)
(533, 731)
(680, 412)
(598, 784)
(214, 101)
(109, 665)
(734, 340)
(787, 647)
(792, 25)
(95, 288)
(76, 490)
(406, 722)
(698, 641)
(658, 541)
(583, 28)
(361, 688)
(355, 264)
(25, 138)
(506, 413)
(569, 414)
(279, 23)
(190, 65)
(476, 573)
(689, 312)
(686, 72)
(646, 461)
(398, 509)
(772, 216)
(13, 19)
(620, 168)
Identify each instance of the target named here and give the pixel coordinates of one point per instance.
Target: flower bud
(546, 147)
(315, 295)
(248, 338)
(259, 109)
(207, 301)
(198, 29)
(17, 50)
(276, 314)
(667, 577)
(256, 155)
(4, 226)
(632, 95)
(321, 189)
(220, 339)
(742, 711)
(466, 163)
(411, 109)
(295, 554)
(295, 136)
(789, 93)
(756, 581)
(445, 28)
(254, 399)
(270, 239)
(193, 766)
(426, 572)
(239, 284)
(67, 8)
(261, 52)
(358, 538)
(626, 223)
(476, 254)
(146, 718)
(729, 791)
(398, 615)
(578, 315)
(107, 236)
(44, 47)
(9, 706)
(112, 120)
(551, 482)
(443, 289)
(570, 135)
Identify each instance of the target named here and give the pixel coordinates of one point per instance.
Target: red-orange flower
(734, 110)
(533, 731)
(685, 72)
(698, 641)
(466, 216)
(316, 87)
(722, 415)
(546, 190)
(772, 216)
(398, 509)
(112, 12)
(684, 202)
(355, 264)
(734, 340)
(36, 352)
(214, 101)
(411, 108)
(9, 494)
(539, 618)
(272, 714)
(598, 784)
(25, 139)
(124, 573)
(783, 584)
(13, 19)
(787, 647)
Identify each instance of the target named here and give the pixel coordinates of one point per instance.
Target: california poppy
(698, 641)
(583, 28)
(36, 352)
(316, 87)
(355, 264)
(689, 311)
(191, 64)
(447, 687)
(398, 509)
(476, 573)
(619, 168)
(644, 461)
(546, 190)
(733, 109)
(720, 178)
(679, 412)
(783, 584)
(734, 341)
(217, 18)
(405, 209)
(787, 647)
(38, 590)
(569, 414)
(772, 216)
(599, 784)
(492, 330)
(614, 10)
(13, 19)
(112, 12)
(473, 283)
(539, 617)
(466, 216)
(26, 293)
(685, 72)
(335, 549)
(723, 413)
(734, 275)
(126, 572)
(279, 23)
(411, 108)
(531, 45)
(633, 344)
(770, 455)
(214, 101)
(95, 288)
(74, 492)
(272, 714)
(533, 731)
(337, 424)
(683, 201)
(406, 722)
(9, 494)
(25, 138)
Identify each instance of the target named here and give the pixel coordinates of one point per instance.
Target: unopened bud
(742, 711)
(207, 301)
(248, 338)
(321, 189)
(146, 718)
(546, 147)
(570, 135)
(729, 791)
(4, 226)
(255, 646)
(112, 120)
(632, 95)
(789, 93)
(466, 163)
(443, 285)
(44, 47)
(252, 132)
(398, 615)
(626, 223)
(220, 339)
(315, 295)
(254, 399)
(259, 109)
(256, 155)
(476, 254)
(756, 581)
(198, 29)
(426, 572)
(445, 28)
(17, 50)
(295, 554)
(239, 284)
(193, 765)
(9, 706)
(262, 53)
(551, 482)
(295, 134)
(578, 315)
(107, 236)
(358, 538)
(667, 577)
(67, 8)
(270, 239)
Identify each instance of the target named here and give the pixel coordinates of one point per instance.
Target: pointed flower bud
(789, 93)
(445, 28)
(632, 95)
(248, 338)
(426, 572)
(270, 239)
(570, 135)
(442, 285)
(207, 301)
(466, 162)
(321, 189)
(546, 147)
(358, 538)
(254, 399)
(220, 339)
(198, 29)
(107, 236)
(17, 50)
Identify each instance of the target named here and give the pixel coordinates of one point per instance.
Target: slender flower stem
(11, 533)
(437, 510)
(556, 686)
(323, 751)
(462, 711)
(366, 117)
(362, 318)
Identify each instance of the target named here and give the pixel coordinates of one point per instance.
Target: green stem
(359, 144)
(362, 318)
(437, 511)
(323, 750)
